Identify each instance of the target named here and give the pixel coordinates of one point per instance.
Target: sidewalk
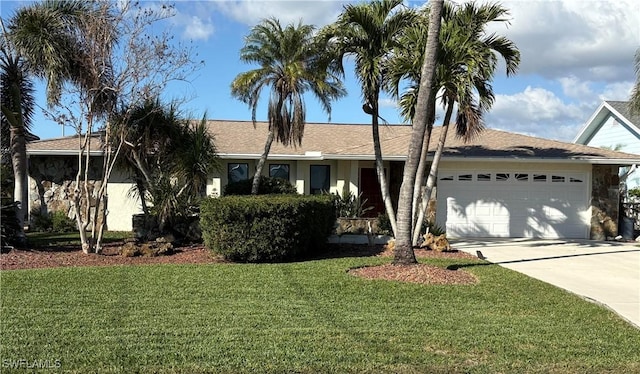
(605, 272)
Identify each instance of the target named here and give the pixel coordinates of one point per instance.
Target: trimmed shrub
(268, 186)
(266, 228)
(60, 222)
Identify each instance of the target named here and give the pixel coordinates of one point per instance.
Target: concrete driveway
(605, 272)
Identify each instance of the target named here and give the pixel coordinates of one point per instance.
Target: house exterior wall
(616, 135)
(344, 173)
(52, 185)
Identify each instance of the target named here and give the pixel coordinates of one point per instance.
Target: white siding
(122, 204)
(615, 135)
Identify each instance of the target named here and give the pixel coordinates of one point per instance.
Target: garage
(514, 203)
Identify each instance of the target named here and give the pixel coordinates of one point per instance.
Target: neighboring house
(612, 126)
(499, 185)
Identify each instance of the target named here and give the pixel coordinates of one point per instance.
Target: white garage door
(511, 203)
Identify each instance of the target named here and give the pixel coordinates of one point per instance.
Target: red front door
(370, 188)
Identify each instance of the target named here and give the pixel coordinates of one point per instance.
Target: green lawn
(52, 240)
(305, 317)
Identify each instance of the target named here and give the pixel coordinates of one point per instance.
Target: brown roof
(239, 139)
(355, 141)
(66, 145)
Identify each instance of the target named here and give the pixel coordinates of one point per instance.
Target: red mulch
(198, 254)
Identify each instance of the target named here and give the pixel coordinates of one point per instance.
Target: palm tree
(41, 40)
(291, 62)
(634, 101)
(369, 32)
(403, 252)
(166, 172)
(17, 102)
(467, 60)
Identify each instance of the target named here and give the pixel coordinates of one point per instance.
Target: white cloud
(538, 112)
(198, 29)
(591, 40)
(250, 12)
(576, 88)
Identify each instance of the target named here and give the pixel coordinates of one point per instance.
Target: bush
(268, 186)
(56, 222)
(384, 226)
(348, 205)
(60, 222)
(40, 222)
(266, 228)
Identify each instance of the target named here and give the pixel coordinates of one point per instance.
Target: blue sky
(574, 55)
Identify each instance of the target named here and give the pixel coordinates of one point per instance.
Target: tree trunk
(403, 253)
(421, 179)
(263, 159)
(433, 173)
(18, 145)
(420, 174)
(382, 178)
(19, 160)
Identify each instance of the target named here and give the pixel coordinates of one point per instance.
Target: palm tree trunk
(263, 159)
(382, 178)
(420, 175)
(403, 253)
(19, 160)
(433, 172)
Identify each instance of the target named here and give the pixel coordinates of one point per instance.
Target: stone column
(605, 199)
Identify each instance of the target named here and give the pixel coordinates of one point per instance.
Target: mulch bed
(198, 254)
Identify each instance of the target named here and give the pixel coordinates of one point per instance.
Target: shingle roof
(66, 145)
(351, 141)
(623, 108)
(239, 139)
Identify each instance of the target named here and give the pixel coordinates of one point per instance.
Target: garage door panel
(533, 204)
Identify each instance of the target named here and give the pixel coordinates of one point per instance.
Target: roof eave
(60, 152)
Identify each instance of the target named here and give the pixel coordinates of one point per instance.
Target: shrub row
(266, 228)
(267, 186)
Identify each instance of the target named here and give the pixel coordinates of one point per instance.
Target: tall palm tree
(369, 32)
(40, 40)
(634, 101)
(17, 103)
(467, 60)
(291, 62)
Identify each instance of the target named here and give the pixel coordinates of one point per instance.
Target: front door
(370, 188)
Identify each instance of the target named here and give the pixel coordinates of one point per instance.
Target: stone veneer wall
(605, 198)
(52, 183)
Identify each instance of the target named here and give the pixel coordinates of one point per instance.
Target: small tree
(126, 65)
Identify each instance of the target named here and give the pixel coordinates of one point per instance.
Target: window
(539, 177)
(320, 176)
(279, 171)
(447, 178)
(465, 177)
(237, 171)
(501, 177)
(522, 177)
(557, 178)
(484, 177)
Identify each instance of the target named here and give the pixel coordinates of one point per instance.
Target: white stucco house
(612, 126)
(499, 185)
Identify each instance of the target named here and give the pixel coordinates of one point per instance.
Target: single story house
(613, 126)
(498, 185)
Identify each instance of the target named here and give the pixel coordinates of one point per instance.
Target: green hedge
(267, 186)
(267, 228)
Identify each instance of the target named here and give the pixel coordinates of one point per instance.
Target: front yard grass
(53, 240)
(305, 317)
